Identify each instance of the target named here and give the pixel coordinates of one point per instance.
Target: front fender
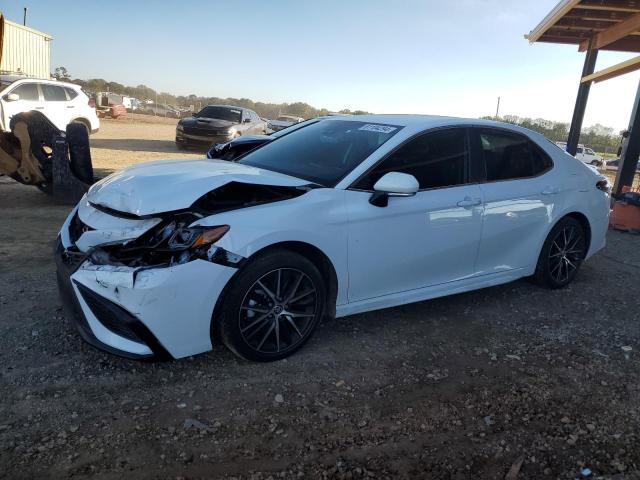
(317, 218)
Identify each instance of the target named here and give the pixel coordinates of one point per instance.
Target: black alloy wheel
(272, 306)
(562, 254)
(278, 310)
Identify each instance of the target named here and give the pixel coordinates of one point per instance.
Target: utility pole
(24, 16)
(498, 108)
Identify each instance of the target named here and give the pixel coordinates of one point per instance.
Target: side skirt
(428, 293)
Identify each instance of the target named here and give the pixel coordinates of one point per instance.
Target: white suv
(62, 103)
(585, 155)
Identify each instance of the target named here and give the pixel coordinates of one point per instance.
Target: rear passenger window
(508, 156)
(437, 159)
(53, 93)
(27, 91)
(71, 93)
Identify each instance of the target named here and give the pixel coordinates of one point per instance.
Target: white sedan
(342, 216)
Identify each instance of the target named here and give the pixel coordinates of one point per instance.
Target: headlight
(231, 132)
(172, 242)
(176, 235)
(196, 237)
(180, 128)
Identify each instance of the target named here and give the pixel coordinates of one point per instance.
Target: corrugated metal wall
(26, 50)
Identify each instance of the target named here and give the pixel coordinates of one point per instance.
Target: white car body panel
(438, 242)
(389, 242)
(134, 189)
(160, 292)
(107, 228)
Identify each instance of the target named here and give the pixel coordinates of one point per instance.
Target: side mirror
(393, 184)
(12, 97)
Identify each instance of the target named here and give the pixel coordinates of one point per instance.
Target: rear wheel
(272, 307)
(562, 254)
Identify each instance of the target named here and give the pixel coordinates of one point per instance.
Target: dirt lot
(462, 387)
(135, 139)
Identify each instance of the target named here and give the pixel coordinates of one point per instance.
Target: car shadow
(136, 145)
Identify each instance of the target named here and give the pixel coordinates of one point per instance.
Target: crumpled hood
(168, 185)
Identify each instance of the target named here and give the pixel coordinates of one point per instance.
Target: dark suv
(217, 124)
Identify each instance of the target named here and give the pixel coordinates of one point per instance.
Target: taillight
(604, 186)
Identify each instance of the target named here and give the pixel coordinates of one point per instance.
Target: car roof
(422, 122)
(412, 120)
(16, 78)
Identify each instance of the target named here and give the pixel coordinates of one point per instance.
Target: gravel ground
(507, 382)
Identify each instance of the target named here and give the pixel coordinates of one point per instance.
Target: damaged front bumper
(140, 312)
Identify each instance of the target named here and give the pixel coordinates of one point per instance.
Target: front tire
(562, 254)
(272, 307)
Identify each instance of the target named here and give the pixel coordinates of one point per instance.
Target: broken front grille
(76, 228)
(111, 316)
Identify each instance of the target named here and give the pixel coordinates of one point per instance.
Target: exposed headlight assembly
(184, 238)
(172, 242)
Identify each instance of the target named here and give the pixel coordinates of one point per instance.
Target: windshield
(221, 113)
(323, 152)
(294, 127)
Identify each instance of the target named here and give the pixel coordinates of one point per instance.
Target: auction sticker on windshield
(372, 127)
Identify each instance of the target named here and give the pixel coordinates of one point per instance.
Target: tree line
(598, 137)
(143, 92)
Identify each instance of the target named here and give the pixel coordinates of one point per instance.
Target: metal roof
(46, 36)
(612, 24)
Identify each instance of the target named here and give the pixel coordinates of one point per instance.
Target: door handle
(469, 202)
(550, 191)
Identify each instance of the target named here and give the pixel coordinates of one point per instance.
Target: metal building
(25, 50)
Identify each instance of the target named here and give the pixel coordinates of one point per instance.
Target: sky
(383, 56)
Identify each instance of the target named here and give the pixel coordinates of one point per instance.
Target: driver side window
(437, 159)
